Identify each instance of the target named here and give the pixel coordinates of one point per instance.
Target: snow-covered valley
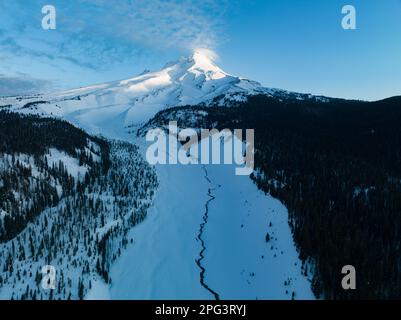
(239, 263)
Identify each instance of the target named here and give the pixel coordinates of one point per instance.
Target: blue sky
(291, 44)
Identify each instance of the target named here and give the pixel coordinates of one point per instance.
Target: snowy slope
(241, 264)
(189, 81)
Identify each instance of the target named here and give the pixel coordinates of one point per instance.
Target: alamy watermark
(349, 20)
(349, 280)
(202, 147)
(49, 20)
(48, 277)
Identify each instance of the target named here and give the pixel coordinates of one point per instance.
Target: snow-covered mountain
(196, 231)
(205, 234)
(193, 80)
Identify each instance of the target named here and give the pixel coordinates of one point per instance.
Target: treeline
(31, 134)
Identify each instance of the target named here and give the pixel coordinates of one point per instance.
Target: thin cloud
(96, 34)
(185, 24)
(22, 85)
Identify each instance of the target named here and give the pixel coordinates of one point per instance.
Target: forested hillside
(42, 160)
(336, 165)
(67, 199)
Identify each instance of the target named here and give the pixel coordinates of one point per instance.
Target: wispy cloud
(22, 85)
(163, 23)
(97, 33)
(95, 36)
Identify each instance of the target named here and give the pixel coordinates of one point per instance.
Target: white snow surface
(99, 291)
(71, 164)
(160, 263)
(239, 263)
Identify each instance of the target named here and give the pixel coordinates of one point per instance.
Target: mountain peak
(204, 56)
(203, 61)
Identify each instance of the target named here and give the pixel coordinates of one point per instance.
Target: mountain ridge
(193, 80)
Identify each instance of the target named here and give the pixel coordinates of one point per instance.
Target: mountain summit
(194, 80)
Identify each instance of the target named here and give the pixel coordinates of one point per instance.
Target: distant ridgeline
(336, 165)
(67, 199)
